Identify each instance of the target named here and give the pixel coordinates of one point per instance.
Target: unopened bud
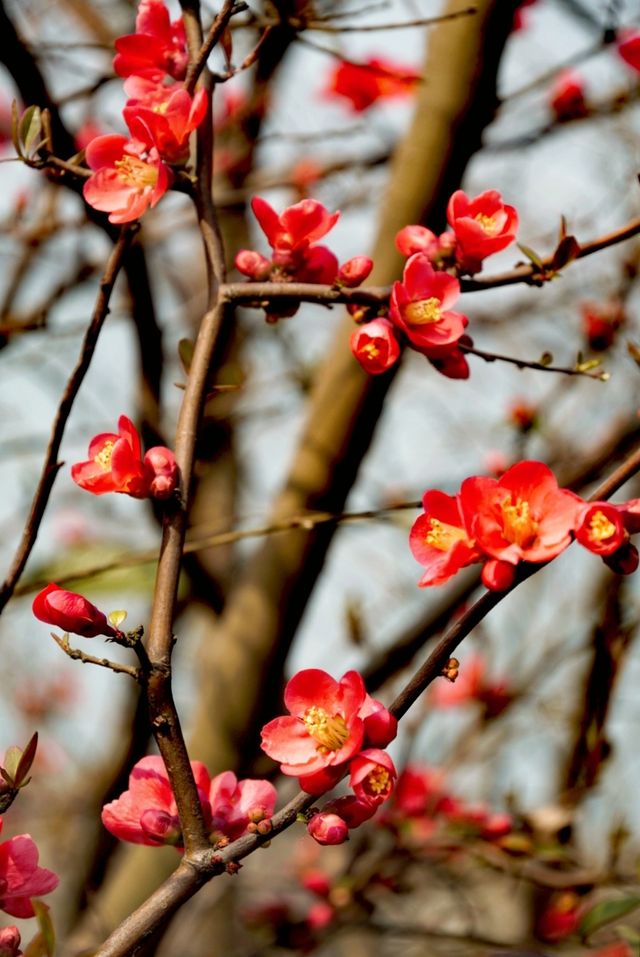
(354, 271)
(624, 561)
(161, 827)
(253, 265)
(328, 829)
(451, 669)
(166, 474)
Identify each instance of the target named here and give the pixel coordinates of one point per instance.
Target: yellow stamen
(443, 536)
(520, 528)
(488, 223)
(423, 311)
(371, 350)
(600, 527)
(103, 458)
(378, 781)
(330, 731)
(135, 172)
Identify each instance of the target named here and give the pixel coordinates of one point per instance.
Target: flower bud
(624, 561)
(328, 829)
(417, 239)
(10, 942)
(498, 575)
(71, 612)
(354, 271)
(375, 346)
(253, 265)
(160, 826)
(166, 474)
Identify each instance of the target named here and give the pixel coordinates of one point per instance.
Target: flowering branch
(586, 369)
(51, 465)
(77, 655)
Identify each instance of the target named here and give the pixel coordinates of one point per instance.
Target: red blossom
(600, 528)
(167, 123)
(629, 48)
(21, 878)
(362, 84)
(439, 539)
(126, 179)
(372, 776)
(158, 46)
(375, 346)
(522, 516)
(600, 323)
(560, 918)
(420, 306)
(237, 804)
(328, 828)
(71, 612)
(115, 464)
(451, 363)
(354, 271)
(323, 729)
(295, 228)
(566, 97)
(10, 942)
(482, 226)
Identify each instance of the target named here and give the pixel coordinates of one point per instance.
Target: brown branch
(539, 366)
(77, 655)
(319, 25)
(219, 25)
(51, 465)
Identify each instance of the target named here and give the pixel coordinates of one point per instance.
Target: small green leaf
(15, 123)
(531, 255)
(12, 762)
(605, 912)
(116, 618)
(30, 127)
(566, 251)
(546, 359)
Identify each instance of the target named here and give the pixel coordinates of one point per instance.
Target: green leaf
(46, 926)
(546, 359)
(605, 912)
(531, 255)
(566, 251)
(12, 762)
(30, 127)
(116, 618)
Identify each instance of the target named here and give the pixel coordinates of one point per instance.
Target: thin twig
(51, 465)
(77, 655)
(218, 27)
(539, 366)
(321, 26)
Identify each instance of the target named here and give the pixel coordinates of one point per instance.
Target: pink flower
(600, 323)
(166, 474)
(420, 306)
(362, 84)
(522, 516)
(600, 528)
(323, 729)
(328, 829)
(354, 271)
(566, 98)
(127, 180)
(375, 346)
(167, 123)
(352, 811)
(158, 46)
(372, 776)
(21, 878)
(71, 612)
(482, 226)
(237, 804)
(439, 539)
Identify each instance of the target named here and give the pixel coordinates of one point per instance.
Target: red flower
(10, 942)
(439, 539)
(522, 516)
(420, 306)
(629, 48)
(419, 792)
(20, 877)
(328, 829)
(600, 322)
(297, 227)
(126, 179)
(419, 239)
(352, 811)
(323, 730)
(601, 528)
(364, 83)
(375, 346)
(566, 97)
(158, 46)
(166, 120)
(354, 271)
(115, 464)
(560, 918)
(372, 776)
(451, 363)
(71, 612)
(482, 226)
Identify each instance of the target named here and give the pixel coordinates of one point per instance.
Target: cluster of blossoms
(521, 517)
(147, 812)
(115, 464)
(420, 311)
(363, 84)
(296, 257)
(133, 173)
(21, 879)
(334, 727)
